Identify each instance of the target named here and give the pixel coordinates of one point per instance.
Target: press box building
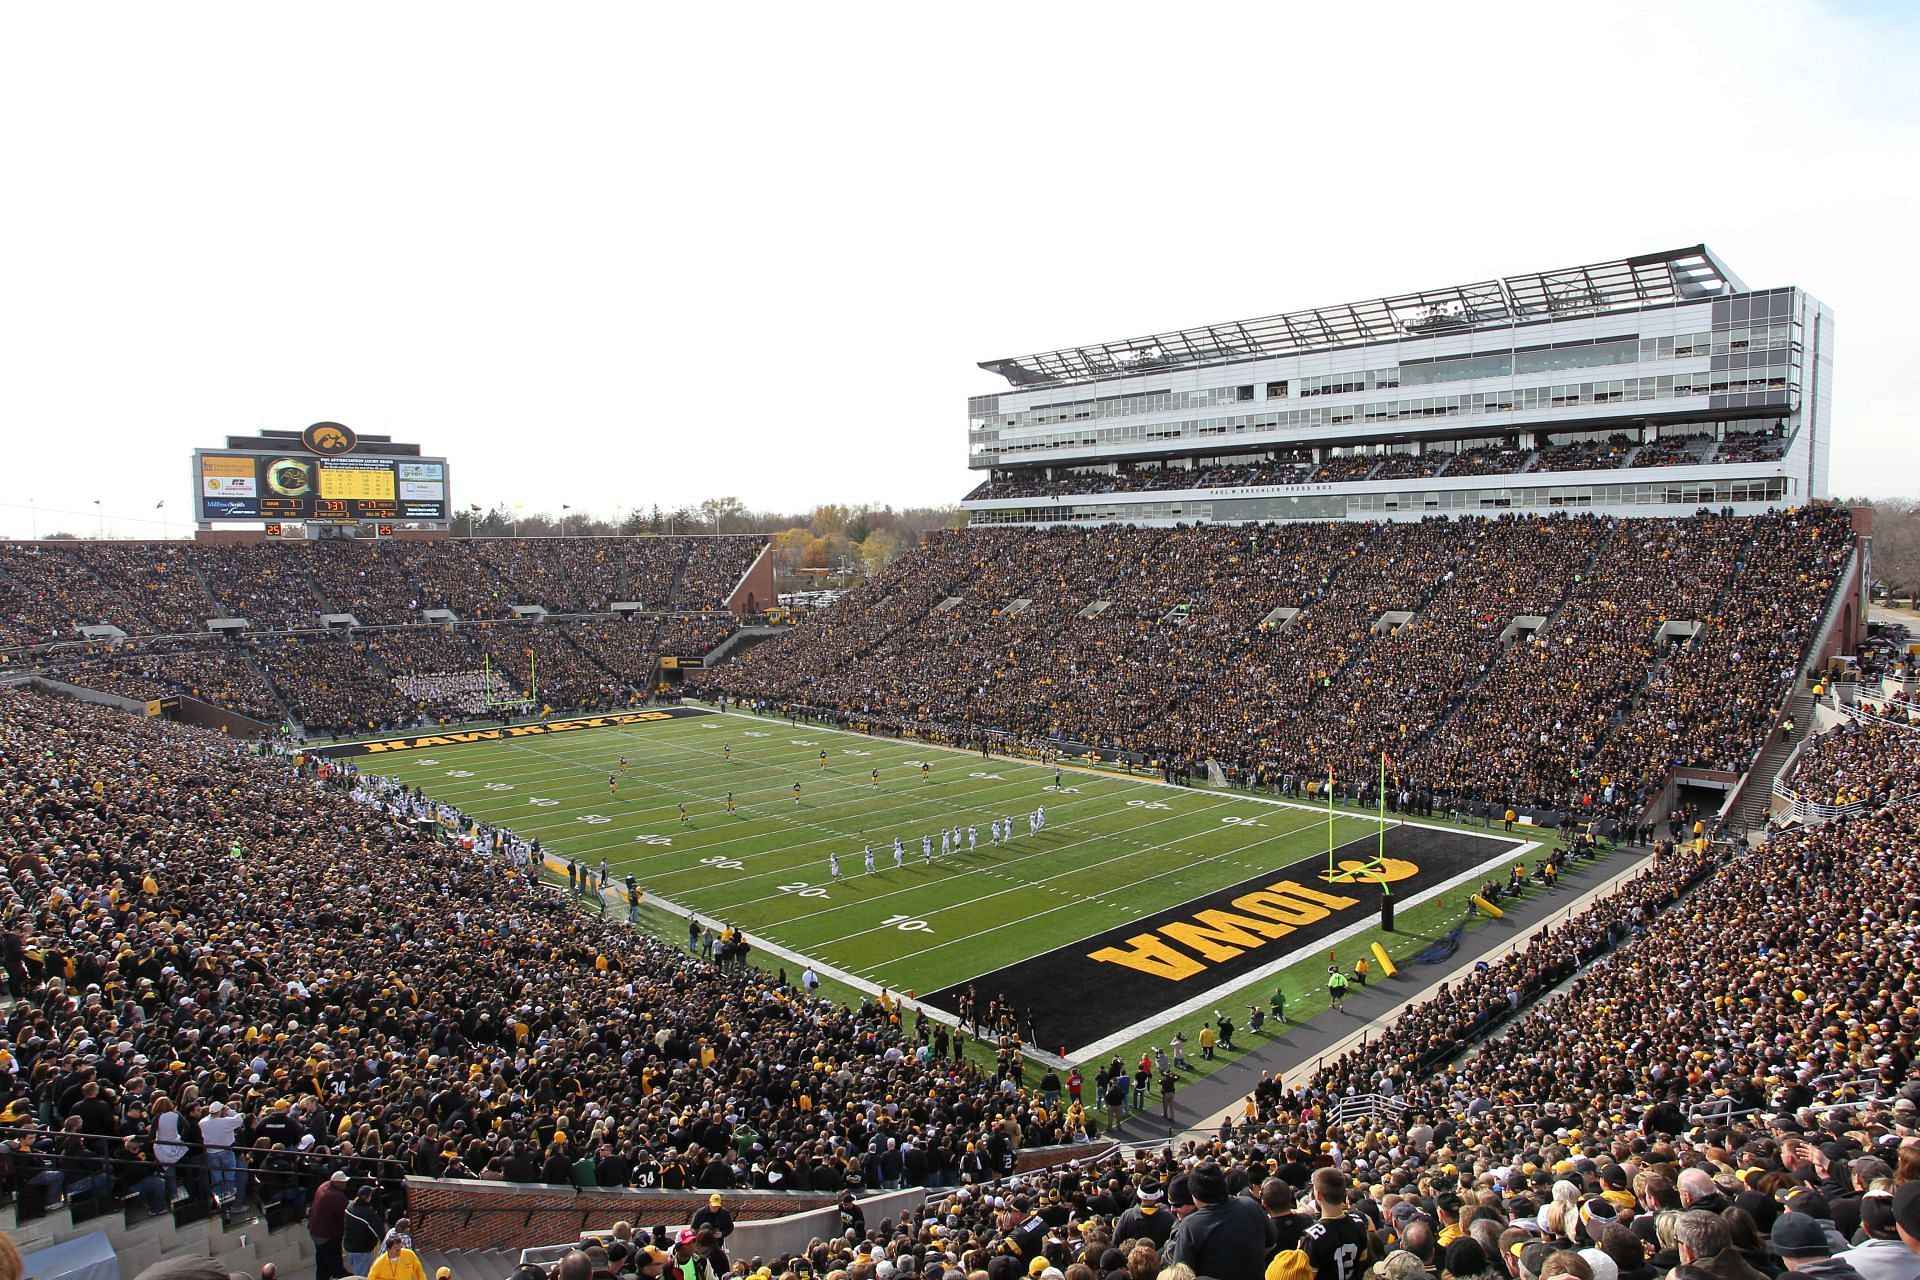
(1653, 385)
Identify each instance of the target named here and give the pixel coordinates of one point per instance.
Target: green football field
(1115, 857)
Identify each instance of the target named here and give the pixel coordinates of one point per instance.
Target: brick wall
(494, 1215)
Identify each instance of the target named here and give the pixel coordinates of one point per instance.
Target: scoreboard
(289, 486)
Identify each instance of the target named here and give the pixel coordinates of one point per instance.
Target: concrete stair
(241, 1248)
(1756, 801)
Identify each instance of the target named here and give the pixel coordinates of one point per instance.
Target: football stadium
(1400, 788)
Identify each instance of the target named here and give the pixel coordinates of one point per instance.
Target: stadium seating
(1585, 455)
(1859, 763)
(388, 1005)
(1790, 956)
(424, 1006)
(1482, 461)
(230, 927)
(400, 672)
(1178, 644)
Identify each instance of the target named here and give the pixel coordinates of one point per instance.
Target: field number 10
(907, 924)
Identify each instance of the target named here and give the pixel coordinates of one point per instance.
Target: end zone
(1106, 989)
(454, 738)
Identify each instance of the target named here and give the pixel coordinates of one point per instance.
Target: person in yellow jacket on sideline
(1207, 1039)
(396, 1262)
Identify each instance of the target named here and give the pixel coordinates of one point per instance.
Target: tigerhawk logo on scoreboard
(329, 439)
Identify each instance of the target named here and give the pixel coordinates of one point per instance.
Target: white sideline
(1513, 849)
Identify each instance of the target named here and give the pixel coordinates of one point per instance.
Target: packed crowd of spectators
(200, 667)
(1404, 680)
(1346, 468)
(628, 647)
(1411, 466)
(1491, 460)
(364, 579)
(1692, 714)
(399, 672)
(1175, 645)
(1586, 455)
(1780, 983)
(1858, 762)
(264, 582)
(217, 999)
(713, 568)
(1340, 468)
(194, 931)
(153, 585)
(334, 685)
(1295, 470)
(1753, 446)
(689, 636)
(544, 657)
(1572, 692)
(46, 596)
(147, 588)
(1674, 451)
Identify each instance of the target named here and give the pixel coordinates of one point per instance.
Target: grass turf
(1114, 848)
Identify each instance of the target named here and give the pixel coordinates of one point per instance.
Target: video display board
(293, 486)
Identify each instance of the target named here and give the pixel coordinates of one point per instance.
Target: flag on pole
(160, 504)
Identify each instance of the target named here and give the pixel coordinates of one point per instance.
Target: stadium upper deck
(1652, 385)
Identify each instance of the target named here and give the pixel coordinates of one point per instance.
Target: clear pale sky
(626, 254)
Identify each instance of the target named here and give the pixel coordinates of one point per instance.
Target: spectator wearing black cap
(1881, 1256)
(365, 1226)
(1810, 1203)
(1906, 1215)
(1466, 1260)
(1803, 1246)
(1533, 1260)
(1226, 1236)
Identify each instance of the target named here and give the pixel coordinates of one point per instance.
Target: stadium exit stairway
(1756, 801)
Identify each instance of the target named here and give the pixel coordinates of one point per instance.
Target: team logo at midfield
(329, 439)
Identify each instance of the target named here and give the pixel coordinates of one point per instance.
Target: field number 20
(803, 889)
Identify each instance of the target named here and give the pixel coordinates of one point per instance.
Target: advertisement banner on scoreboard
(282, 486)
(227, 477)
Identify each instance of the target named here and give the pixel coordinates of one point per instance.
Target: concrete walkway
(1300, 1048)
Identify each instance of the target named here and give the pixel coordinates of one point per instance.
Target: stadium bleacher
(1720, 1023)
(399, 670)
(137, 974)
(1400, 643)
(1750, 446)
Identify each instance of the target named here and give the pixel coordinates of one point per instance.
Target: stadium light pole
(473, 519)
